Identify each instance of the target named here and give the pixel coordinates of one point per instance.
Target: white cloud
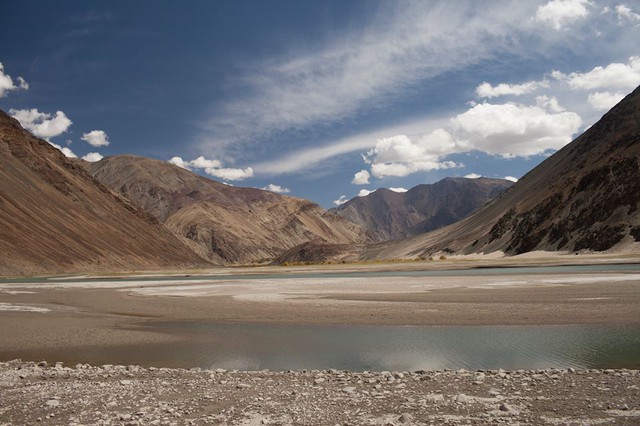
(66, 151)
(400, 156)
(559, 13)
(178, 161)
(511, 178)
(7, 84)
(625, 13)
(229, 173)
(364, 192)
(604, 101)
(92, 157)
(402, 45)
(276, 188)
(400, 189)
(486, 90)
(341, 200)
(41, 124)
(549, 102)
(515, 130)
(613, 76)
(96, 138)
(203, 163)
(473, 176)
(361, 178)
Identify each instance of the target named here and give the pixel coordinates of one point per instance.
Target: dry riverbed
(41, 393)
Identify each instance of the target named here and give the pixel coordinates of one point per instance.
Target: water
(404, 348)
(480, 271)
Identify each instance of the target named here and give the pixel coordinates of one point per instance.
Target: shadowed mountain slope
(224, 223)
(56, 218)
(388, 215)
(584, 197)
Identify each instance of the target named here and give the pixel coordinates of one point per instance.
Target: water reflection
(277, 347)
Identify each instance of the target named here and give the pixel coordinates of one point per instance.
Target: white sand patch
(21, 308)
(18, 292)
(591, 279)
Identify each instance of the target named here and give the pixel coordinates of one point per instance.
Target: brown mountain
(388, 215)
(224, 223)
(56, 218)
(584, 197)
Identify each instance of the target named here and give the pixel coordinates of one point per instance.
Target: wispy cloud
(405, 44)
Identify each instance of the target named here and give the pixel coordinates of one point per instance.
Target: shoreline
(117, 394)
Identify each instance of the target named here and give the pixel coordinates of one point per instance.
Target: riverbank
(105, 395)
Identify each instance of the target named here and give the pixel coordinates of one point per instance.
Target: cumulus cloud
(364, 192)
(604, 101)
(230, 173)
(41, 124)
(399, 189)
(549, 102)
(400, 156)
(560, 13)
(276, 188)
(473, 176)
(341, 200)
(486, 90)
(213, 168)
(361, 178)
(96, 138)
(613, 76)
(66, 151)
(625, 13)
(7, 84)
(511, 178)
(178, 161)
(515, 130)
(92, 157)
(204, 163)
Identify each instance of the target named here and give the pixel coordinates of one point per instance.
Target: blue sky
(321, 98)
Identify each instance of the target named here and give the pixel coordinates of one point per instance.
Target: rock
(349, 390)
(405, 418)
(464, 399)
(242, 386)
(125, 382)
(52, 403)
(506, 408)
(318, 381)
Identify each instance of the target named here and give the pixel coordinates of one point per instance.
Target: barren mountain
(56, 218)
(388, 215)
(584, 197)
(226, 224)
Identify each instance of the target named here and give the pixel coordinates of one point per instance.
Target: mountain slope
(224, 223)
(388, 215)
(55, 218)
(584, 197)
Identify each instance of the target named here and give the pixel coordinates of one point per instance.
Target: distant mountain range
(56, 218)
(585, 197)
(59, 215)
(223, 223)
(389, 215)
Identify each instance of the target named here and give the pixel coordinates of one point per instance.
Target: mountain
(56, 218)
(226, 224)
(388, 215)
(584, 197)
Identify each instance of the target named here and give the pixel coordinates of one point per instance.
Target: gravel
(45, 393)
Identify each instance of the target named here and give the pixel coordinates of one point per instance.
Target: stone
(52, 403)
(405, 418)
(125, 382)
(504, 407)
(464, 399)
(349, 390)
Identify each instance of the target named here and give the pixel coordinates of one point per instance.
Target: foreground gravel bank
(42, 393)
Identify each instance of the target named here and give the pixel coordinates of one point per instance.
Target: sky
(324, 100)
